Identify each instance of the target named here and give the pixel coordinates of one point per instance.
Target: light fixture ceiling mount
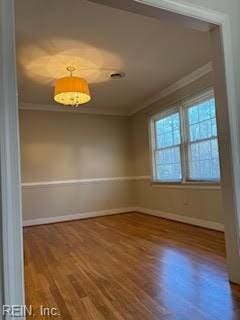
(71, 69)
(71, 90)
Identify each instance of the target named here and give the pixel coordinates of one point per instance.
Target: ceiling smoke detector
(117, 75)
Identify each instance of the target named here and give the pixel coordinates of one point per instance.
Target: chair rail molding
(83, 181)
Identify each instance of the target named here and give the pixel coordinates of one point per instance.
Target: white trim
(187, 9)
(198, 98)
(93, 214)
(181, 218)
(181, 83)
(77, 216)
(83, 181)
(118, 179)
(233, 124)
(11, 207)
(83, 109)
(181, 109)
(13, 276)
(187, 185)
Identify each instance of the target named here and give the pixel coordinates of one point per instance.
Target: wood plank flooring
(128, 267)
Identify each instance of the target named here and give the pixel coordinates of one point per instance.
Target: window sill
(186, 185)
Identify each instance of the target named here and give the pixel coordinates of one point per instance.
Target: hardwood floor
(129, 266)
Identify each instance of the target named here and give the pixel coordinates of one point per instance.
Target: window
(202, 141)
(167, 150)
(185, 143)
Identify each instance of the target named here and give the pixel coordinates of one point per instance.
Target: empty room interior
(122, 153)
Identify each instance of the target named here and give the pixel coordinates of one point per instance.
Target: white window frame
(185, 141)
(159, 116)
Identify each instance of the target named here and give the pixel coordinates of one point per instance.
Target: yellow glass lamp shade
(72, 91)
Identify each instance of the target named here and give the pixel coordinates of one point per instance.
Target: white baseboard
(181, 218)
(166, 215)
(77, 216)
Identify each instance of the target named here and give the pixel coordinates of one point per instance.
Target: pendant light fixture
(71, 91)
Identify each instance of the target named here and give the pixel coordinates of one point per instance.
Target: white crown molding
(174, 6)
(181, 83)
(83, 181)
(181, 218)
(77, 216)
(83, 109)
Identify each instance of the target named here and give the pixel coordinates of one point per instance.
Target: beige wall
(40, 202)
(205, 204)
(230, 8)
(65, 146)
(59, 145)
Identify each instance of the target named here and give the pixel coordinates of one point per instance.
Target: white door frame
(9, 135)
(11, 232)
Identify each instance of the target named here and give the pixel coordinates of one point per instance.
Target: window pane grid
(210, 143)
(203, 155)
(186, 144)
(202, 140)
(205, 171)
(167, 152)
(170, 158)
(166, 148)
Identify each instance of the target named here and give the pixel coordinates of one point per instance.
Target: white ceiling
(99, 40)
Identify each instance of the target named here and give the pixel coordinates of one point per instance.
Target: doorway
(12, 232)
